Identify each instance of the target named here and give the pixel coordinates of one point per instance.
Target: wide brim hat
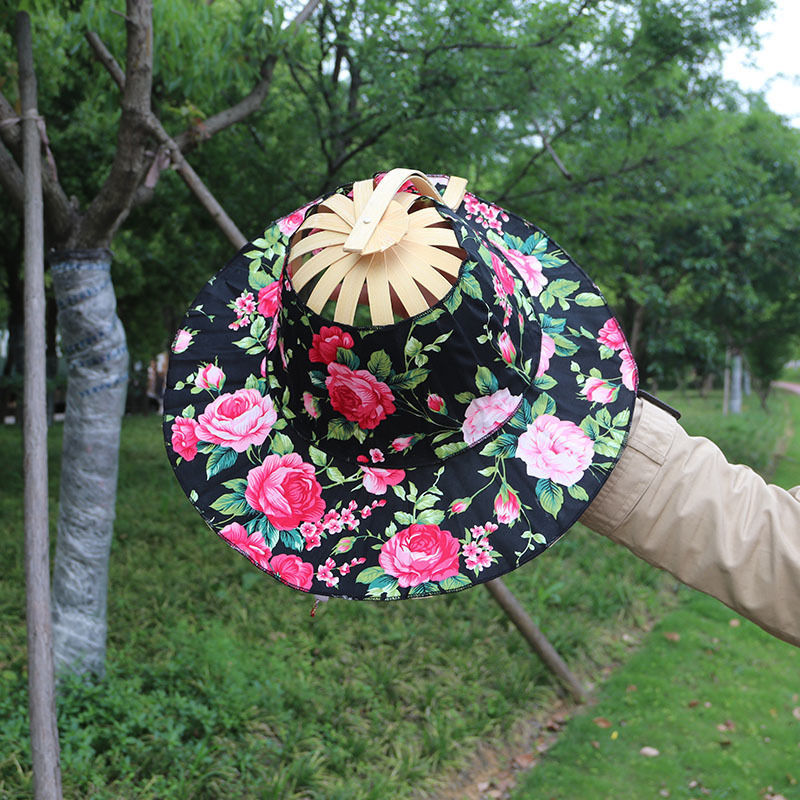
(421, 456)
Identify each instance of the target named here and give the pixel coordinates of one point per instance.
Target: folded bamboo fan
(387, 249)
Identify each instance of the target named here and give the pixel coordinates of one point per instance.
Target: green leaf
(232, 505)
(370, 574)
(545, 382)
(246, 342)
(347, 357)
(621, 419)
(341, 428)
(485, 381)
(590, 427)
(238, 485)
(281, 444)
(334, 474)
(539, 538)
(413, 347)
(564, 347)
(425, 588)
(465, 397)
(257, 278)
(220, 458)
(317, 456)
(317, 377)
(258, 326)
(544, 404)
(403, 518)
(380, 365)
(546, 299)
(193, 496)
(578, 492)
(386, 585)
(604, 447)
(453, 300)
(188, 412)
(409, 380)
(428, 500)
(550, 495)
(503, 446)
(455, 582)
(292, 539)
(430, 516)
(604, 417)
(551, 326)
(606, 352)
(562, 287)
(450, 449)
(589, 299)
(470, 285)
(399, 491)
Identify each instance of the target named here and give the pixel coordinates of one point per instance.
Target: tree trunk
(736, 383)
(93, 341)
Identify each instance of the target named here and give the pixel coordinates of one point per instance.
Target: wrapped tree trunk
(93, 341)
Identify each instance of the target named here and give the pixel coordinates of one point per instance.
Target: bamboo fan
(383, 245)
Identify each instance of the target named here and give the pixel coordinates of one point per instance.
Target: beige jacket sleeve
(675, 501)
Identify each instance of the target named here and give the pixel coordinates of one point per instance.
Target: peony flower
(376, 479)
(420, 553)
(630, 373)
(555, 449)
(599, 391)
(269, 299)
(286, 490)
(506, 506)
(325, 343)
(529, 268)
(182, 340)
(237, 420)
(546, 351)
(184, 437)
(486, 414)
(210, 377)
(611, 335)
(358, 395)
(292, 570)
(251, 544)
(435, 402)
(507, 349)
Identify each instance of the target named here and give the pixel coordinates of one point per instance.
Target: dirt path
(790, 387)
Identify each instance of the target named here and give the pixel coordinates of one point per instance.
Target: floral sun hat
(407, 459)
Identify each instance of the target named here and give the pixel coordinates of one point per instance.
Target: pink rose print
(485, 414)
(184, 437)
(507, 349)
(263, 367)
(611, 335)
(288, 225)
(210, 377)
(325, 344)
(400, 443)
(182, 340)
(596, 390)
(292, 570)
(376, 479)
(286, 490)
(420, 553)
(556, 449)
(506, 508)
(358, 395)
(251, 544)
(460, 505)
(504, 283)
(269, 299)
(630, 372)
(529, 268)
(237, 420)
(546, 351)
(310, 405)
(435, 402)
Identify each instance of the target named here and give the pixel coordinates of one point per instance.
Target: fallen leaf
(672, 636)
(650, 752)
(735, 623)
(601, 722)
(728, 725)
(693, 703)
(483, 786)
(524, 760)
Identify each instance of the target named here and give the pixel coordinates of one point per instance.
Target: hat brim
(377, 533)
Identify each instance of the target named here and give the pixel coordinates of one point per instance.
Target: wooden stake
(535, 638)
(41, 685)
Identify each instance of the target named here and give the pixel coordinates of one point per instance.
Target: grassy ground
(220, 685)
(717, 697)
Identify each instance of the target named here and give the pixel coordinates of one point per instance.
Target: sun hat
(396, 393)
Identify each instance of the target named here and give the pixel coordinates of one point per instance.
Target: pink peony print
(630, 373)
(286, 490)
(292, 570)
(359, 396)
(325, 343)
(504, 283)
(529, 268)
(611, 335)
(420, 553)
(210, 377)
(269, 299)
(377, 479)
(556, 449)
(251, 544)
(507, 349)
(486, 414)
(237, 420)
(596, 390)
(507, 506)
(182, 340)
(546, 351)
(184, 437)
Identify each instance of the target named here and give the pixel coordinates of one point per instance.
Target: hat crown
(422, 389)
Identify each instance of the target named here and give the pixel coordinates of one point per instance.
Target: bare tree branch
(247, 105)
(546, 142)
(565, 27)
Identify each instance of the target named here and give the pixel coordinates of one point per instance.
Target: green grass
(714, 676)
(221, 685)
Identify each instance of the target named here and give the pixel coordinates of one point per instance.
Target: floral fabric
(409, 459)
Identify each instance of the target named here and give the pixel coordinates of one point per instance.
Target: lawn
(221, 685)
